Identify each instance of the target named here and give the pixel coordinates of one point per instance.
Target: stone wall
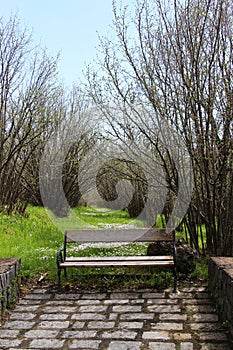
(9, 282)
(221, 287)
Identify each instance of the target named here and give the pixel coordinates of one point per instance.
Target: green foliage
(201, 271)
(2, 298)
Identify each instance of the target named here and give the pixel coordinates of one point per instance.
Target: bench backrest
(120, 235)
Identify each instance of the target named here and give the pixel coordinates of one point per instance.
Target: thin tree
(27, 83)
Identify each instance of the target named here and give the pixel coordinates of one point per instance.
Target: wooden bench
(125, 235)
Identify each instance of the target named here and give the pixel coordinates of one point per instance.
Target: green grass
(35, 239)
(102, 216)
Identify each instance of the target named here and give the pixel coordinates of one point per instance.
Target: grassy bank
(35, 239)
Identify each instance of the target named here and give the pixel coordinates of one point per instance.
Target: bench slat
(96, 264)
(124, 235)
(118, 258)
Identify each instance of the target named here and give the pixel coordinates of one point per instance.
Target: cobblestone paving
(115, 321)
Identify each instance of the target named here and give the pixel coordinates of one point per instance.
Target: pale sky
(66, 26)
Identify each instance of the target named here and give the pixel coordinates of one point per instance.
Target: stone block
(9, 282)
(221, 287)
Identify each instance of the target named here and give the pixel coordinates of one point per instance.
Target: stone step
(115, 320)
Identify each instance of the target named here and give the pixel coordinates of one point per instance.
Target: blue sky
(66, 26)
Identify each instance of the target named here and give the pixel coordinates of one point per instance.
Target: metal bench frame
(111, 236)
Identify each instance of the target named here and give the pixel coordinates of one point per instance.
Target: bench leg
(175, 279)
(59, 280)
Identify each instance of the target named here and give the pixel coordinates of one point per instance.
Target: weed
(201, 270)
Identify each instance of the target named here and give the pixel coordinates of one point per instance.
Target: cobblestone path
(115, 321)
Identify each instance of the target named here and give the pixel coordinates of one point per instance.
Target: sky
(66, 26)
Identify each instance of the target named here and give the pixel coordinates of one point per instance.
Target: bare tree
(27, 84)
(170, 68)
(112, 175)
(64, 172)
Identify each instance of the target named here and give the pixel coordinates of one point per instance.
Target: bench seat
(117, 261)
